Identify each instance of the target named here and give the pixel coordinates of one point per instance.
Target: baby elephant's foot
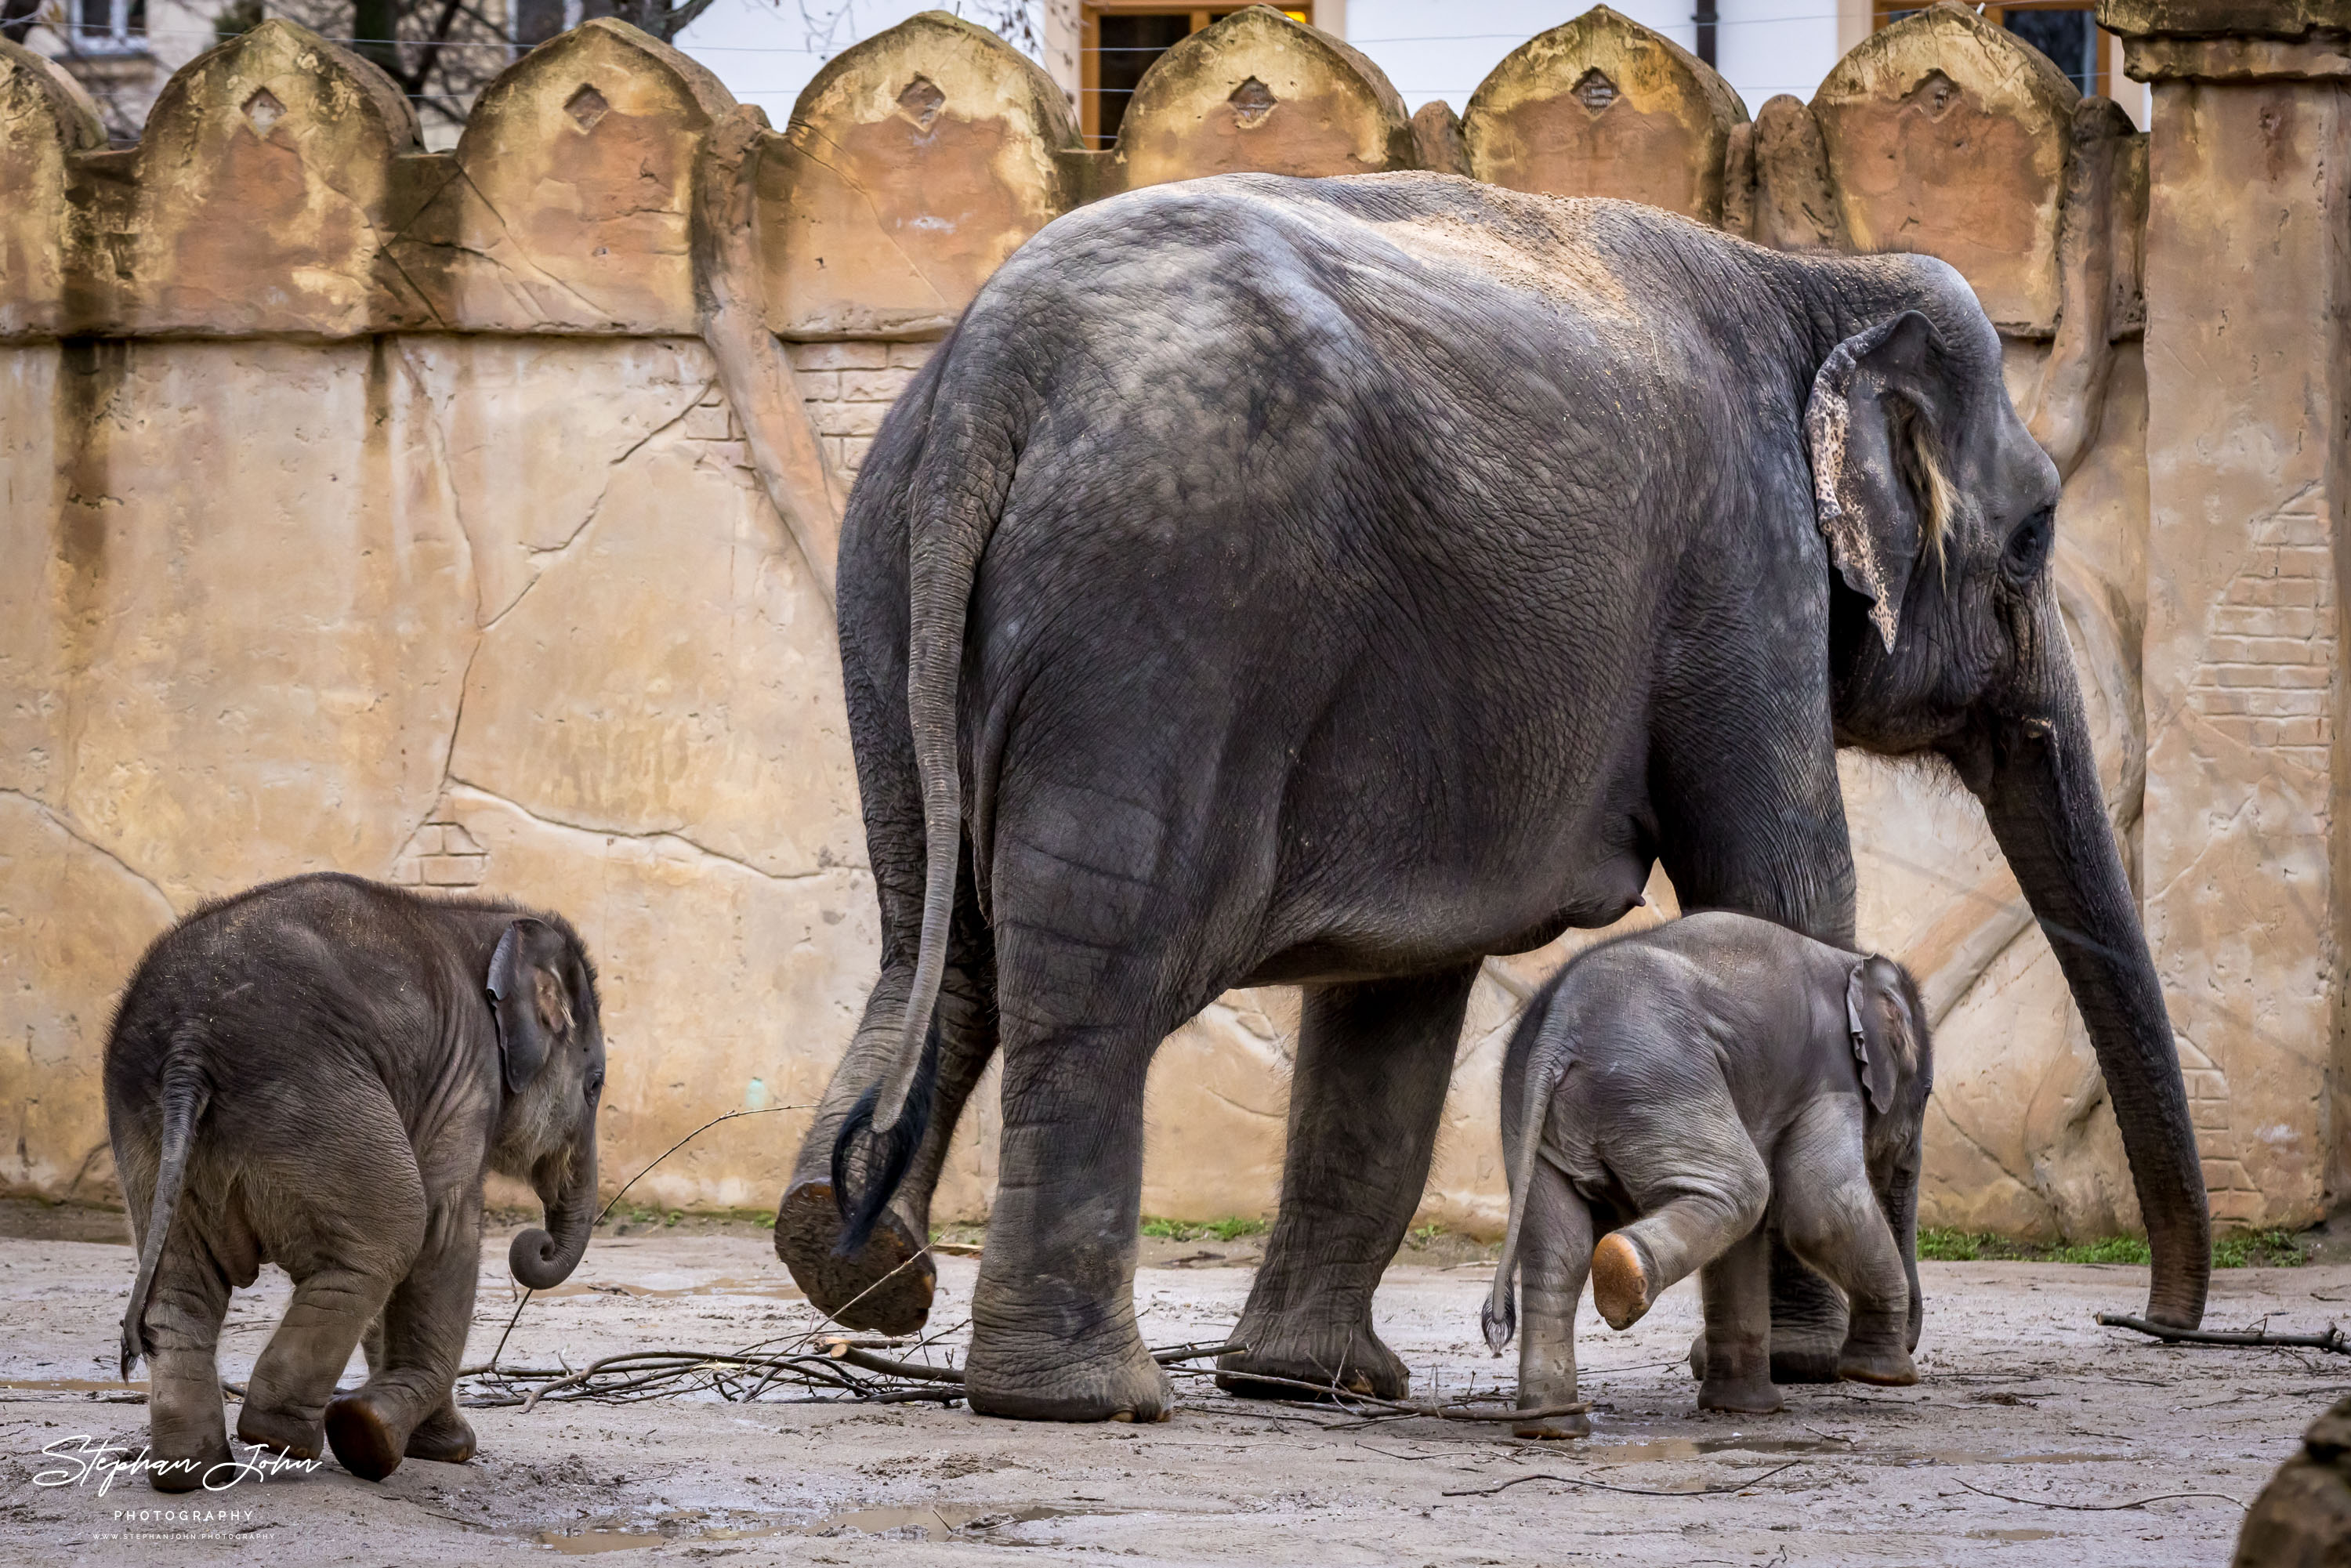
(1621, 1280)
(1553, 1427)
(183, 1465)
(445, 1436)
(1741, 1396)
(367, 1444)
(1889, 1367)
(283, 1432)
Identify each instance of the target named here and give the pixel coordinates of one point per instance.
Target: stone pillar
(2248, 280)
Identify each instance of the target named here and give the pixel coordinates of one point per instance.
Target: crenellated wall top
(279, 190)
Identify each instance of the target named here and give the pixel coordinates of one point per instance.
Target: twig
(764, 1111)
(1632, 1492)
(2099, 1507)
(2334, 1339)
(1176, 1353)
(1347, 1399)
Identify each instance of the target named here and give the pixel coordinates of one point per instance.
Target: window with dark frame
(2066, 31)
(1121, 39)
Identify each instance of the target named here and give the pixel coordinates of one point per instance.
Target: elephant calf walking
(318, 1073)
(1691, 1092)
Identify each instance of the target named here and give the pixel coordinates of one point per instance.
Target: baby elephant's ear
(1885, 1035)
(527, 998)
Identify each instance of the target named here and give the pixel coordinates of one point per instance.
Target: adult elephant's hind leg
(1373, 1059)
(1053, 1332)
(887, 1284)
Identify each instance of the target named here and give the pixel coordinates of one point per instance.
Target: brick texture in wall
(848, 388)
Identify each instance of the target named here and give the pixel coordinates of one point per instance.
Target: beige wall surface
(431, 525)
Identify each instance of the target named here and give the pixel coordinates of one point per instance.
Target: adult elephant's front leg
(1373, 1061)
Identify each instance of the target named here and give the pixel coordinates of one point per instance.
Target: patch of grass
(1422, 1235)
(2243, 1249)
(2259, 1250)
(1226, 1230)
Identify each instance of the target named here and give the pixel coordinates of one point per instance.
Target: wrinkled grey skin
(1330, 582)
(318, 1073)
(1683, 1097)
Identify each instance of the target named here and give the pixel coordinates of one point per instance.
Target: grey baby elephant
(318, 1073)
(1684, 1093)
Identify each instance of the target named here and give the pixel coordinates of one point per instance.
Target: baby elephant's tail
(1499, 1316)
(184, 1096)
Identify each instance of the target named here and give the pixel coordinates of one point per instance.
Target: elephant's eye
(2027, 550)
(595, 1084)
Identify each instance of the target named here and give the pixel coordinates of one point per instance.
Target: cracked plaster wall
(505, 608)
(564, 651)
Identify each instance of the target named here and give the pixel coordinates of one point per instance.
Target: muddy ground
(2023, 1395)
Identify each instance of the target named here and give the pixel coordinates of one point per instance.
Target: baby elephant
(1683, 1094)
(318, 1073)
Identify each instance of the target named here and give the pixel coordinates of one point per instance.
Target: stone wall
(466, 519)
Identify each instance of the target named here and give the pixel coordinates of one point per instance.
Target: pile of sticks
(833, 1369)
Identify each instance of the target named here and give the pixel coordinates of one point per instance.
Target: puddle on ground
(587, 1542)
(2012, 1535)
(921, 1520)
(72, 1386)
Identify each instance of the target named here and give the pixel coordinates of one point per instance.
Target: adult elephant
(1330, 582)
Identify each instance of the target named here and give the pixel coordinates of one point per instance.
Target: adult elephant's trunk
(542, 1259)
(2039, 785)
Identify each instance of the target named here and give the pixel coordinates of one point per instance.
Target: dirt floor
(2023, 1395)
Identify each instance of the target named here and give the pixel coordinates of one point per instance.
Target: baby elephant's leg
(1694, 1173)
(1737, 1335)
(1554, 1251)
(1830, 1218)
(347, 1223)
(187, 1434)
(407, 1409)
(444, 1436)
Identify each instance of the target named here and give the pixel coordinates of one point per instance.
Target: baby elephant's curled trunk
(542, 1259)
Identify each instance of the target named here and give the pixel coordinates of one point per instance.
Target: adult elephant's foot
(1307, 1358)
(883, 1287)
(445, 1436)
(1038, 1381)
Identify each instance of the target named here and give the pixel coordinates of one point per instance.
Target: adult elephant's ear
(527, 998)
(1879, 1010)
(1877, 477)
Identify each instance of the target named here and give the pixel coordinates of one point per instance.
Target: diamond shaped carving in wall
(264, 109)
(1935, 94)
(586, 106)
(921, 100)
(1251, 102)
(1593, 90)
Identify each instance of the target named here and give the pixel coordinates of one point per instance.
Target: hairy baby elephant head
(1890, 1042)
(542, 995)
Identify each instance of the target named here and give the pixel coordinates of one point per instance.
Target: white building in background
(767, 51)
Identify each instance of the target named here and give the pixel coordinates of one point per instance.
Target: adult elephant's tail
(959, 492)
